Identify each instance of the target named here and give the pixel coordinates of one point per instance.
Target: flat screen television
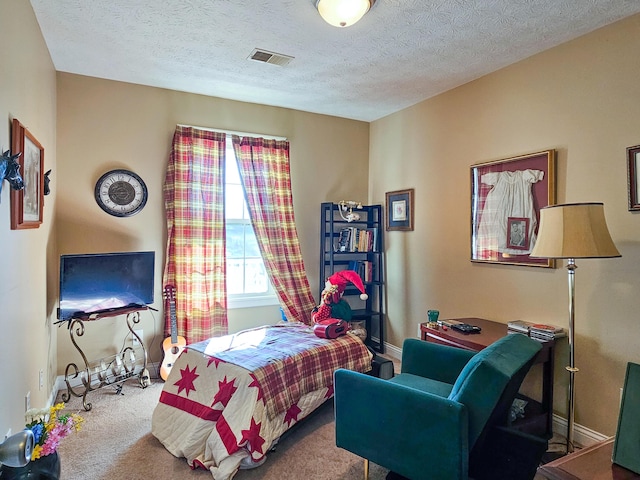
(103, 282)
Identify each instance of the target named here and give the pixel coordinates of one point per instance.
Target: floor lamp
(571, 231)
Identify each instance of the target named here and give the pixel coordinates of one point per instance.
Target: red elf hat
(341, 278)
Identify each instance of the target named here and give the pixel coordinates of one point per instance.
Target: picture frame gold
(27, 204)
(633, 164)
(504, 230)
(400, 210)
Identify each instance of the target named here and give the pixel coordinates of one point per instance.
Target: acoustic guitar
(173, 345)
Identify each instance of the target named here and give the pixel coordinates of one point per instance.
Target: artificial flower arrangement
(49, 427)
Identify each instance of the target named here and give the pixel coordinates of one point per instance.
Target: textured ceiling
(400, 53)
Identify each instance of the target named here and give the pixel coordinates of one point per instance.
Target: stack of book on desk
(519, 326)
(540, 331)
(537, 331)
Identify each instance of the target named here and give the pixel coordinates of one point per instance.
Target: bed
(228, 400)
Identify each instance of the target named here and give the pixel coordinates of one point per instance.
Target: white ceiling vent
(270, 57)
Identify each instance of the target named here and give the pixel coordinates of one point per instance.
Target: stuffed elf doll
(332, 305)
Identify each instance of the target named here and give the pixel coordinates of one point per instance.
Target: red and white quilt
(227, 400)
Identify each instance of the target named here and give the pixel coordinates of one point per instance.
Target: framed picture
(518, 233)
(400, 210)
(27, 204)
(506, 198)
(633, 163)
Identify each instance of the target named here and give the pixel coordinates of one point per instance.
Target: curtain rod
(233, 132)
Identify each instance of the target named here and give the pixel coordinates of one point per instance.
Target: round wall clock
(121, 193)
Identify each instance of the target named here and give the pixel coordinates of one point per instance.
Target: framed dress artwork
(506, 198)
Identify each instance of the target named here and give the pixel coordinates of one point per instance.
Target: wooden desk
(591, 463)
(538, 414)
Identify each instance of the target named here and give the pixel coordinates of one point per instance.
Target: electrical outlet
(8, 434)
(27, 401)
(139, 333)
(41, 379)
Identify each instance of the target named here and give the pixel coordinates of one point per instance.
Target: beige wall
(104, 125)
(580, 99)
(28, 93)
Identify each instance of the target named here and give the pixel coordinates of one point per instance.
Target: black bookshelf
(356, 245)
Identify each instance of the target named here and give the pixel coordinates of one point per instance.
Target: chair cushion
(482, 381)
(423, 384)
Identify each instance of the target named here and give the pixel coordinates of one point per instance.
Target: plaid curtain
(264, 169)
(195, 261)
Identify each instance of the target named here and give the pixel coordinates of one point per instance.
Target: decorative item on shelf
(348, 206)
(343, 13)
(332, 305)
(10, 171)
(48, 427)
(359, 329)
(573, 231)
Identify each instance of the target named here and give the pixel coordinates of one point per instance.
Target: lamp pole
(571, 368)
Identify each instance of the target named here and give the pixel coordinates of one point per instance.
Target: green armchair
(437, 418)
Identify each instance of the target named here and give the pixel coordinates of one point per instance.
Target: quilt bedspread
(227, 400)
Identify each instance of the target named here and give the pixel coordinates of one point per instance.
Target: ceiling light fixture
(343, 13)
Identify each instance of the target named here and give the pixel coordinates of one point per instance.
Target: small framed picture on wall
(400, 210)
(633, 162)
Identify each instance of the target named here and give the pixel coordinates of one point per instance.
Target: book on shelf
(353, 239)
(343, 240)
(364, 268)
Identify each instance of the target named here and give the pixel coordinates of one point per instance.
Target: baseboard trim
(392, 351)
(581, 435)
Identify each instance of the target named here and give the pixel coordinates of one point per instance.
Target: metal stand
(571, 368)
(112, 370)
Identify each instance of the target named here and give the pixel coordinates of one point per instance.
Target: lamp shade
(343, 13)
(575, 230)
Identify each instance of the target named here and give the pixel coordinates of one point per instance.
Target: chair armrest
(431, 360)
(413, 433)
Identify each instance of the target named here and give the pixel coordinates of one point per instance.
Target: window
(248, 284)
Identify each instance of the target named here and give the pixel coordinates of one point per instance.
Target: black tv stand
(112, 370)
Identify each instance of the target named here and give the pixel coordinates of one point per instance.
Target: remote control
(466, 328)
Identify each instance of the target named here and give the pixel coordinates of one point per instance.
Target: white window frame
(246, 300)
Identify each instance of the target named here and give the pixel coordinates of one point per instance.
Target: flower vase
(44, 468)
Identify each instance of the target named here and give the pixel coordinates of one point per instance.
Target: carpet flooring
(116, 442)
